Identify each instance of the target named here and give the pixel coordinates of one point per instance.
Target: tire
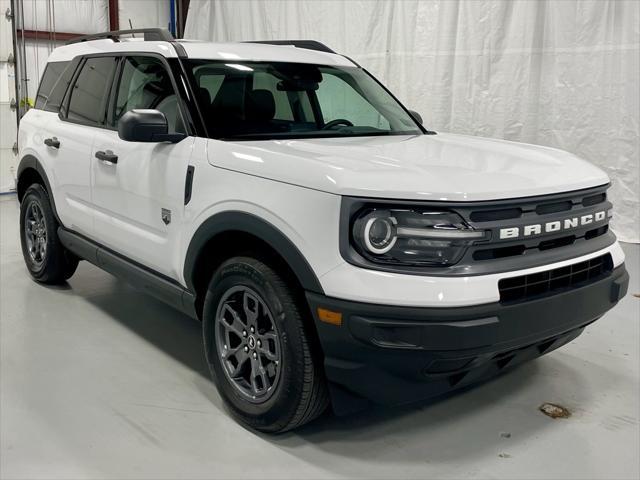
(293, 366)
(46, 258)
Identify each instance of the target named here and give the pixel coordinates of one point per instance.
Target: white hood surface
(443, 167)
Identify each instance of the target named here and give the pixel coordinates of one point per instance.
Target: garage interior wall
(7, 116)
(564, 74)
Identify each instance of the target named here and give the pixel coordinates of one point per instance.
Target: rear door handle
(107, 157)
(52, 142)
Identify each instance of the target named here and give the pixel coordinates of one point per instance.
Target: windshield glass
(259, 100)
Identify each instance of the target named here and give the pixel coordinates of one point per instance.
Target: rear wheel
(260, 352)
(45, 257)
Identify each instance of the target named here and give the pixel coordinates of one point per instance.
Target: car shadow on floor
(488, 419)
(166, 328)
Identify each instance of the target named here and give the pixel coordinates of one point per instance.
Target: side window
(88, 95)
(55, 73)
(145, 83)
(338, 99)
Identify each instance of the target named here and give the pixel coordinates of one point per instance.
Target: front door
(138, 188)
(69, 139)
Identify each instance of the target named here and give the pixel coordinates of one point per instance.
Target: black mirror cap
(416, 116)
(141, 125)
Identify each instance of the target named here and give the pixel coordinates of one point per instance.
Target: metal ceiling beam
(46, 35)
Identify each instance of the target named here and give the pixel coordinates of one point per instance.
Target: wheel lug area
(259, 343)
(253, 330)
(255, 355)
(246, 349)
(244, 333)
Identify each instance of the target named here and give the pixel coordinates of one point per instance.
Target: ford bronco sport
(335, 250)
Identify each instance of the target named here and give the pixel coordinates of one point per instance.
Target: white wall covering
(76, 16)
(144, 13)
(559, 73)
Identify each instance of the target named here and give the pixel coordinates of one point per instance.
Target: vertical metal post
(114, 15)
(17, 61)
(182, 7)
(172, 17)
(24, 77)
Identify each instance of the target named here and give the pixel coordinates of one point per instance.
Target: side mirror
(141, 125)
(416, 116)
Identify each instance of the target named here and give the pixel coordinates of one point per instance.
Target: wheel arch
(230, 233)
(31, 171)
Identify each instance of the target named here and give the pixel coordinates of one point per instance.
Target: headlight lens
(380, 234)
(412, 236)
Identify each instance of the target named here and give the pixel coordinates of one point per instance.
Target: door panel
(130, 196)
(71, 172)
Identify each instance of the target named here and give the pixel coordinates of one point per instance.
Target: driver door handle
(107, 157)
(52, 142)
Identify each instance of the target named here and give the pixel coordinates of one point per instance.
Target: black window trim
(191, 127)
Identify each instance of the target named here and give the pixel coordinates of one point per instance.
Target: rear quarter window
(53, 86)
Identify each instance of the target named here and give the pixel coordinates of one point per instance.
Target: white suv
(335, 250)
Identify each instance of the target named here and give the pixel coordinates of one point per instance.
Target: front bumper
(393, 355)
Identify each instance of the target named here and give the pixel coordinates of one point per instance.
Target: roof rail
(308, 44)
(150, 34)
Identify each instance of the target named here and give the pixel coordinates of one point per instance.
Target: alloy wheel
(248, 343)
(35, 229)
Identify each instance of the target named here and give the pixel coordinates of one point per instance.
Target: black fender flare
(29, 161)
(244, 222)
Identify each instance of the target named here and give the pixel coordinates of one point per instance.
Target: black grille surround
(495, 255)
(557, 280)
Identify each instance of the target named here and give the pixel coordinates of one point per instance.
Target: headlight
(412, 237)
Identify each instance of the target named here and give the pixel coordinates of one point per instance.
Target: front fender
(248, 223)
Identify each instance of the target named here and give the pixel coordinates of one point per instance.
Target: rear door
(139, 198)
(70, 137)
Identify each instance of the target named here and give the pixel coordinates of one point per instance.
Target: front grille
(536, 211)
(551, 282)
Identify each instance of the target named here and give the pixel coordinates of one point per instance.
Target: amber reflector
(327, 316)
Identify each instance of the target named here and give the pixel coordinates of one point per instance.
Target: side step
(153, 283)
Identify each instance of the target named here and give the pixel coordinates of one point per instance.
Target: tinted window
(259, 100)
(146, 83)
(267, 81)
(338, 99)
(209, 80)
(88, 95)
(53, 85)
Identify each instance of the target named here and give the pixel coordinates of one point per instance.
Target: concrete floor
(101, 381)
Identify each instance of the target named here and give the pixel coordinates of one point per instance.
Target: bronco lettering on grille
(555, 226)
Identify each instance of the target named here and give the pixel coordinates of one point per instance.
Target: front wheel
(45, 257)
(260, 351)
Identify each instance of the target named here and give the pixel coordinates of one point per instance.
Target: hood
(444, 167)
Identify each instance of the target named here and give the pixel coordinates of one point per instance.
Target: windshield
(260, 100)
